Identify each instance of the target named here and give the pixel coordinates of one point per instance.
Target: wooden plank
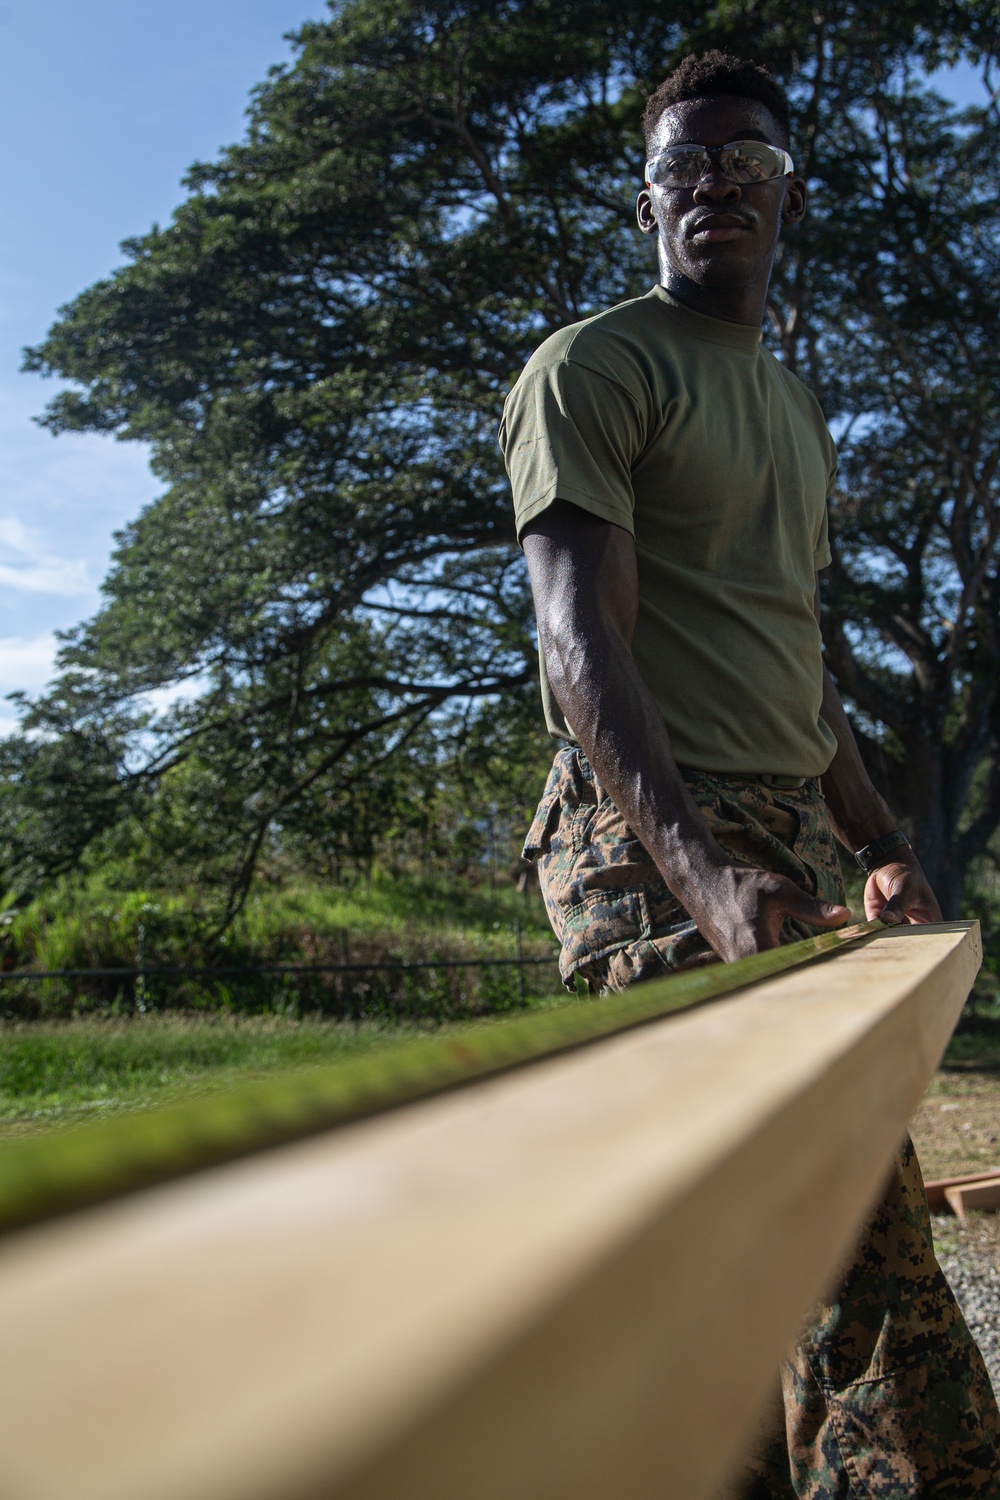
(975, 1197)
(937, 1189)
(43, 1176)
(574, 1280)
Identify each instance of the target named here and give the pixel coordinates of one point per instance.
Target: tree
(902, 342)
(317, 348)
(920, 528)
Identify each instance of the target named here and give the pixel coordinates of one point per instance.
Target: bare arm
(583, 577)
(899, 891)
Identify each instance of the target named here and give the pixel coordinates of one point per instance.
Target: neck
(732, 304)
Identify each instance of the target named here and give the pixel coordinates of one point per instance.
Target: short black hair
(715, 72)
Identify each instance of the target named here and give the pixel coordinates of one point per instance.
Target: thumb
(886, 896)
(815, 913)
(894, 910)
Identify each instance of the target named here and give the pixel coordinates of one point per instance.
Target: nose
(714, 187)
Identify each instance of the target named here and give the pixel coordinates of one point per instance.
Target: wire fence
(246, 970)
(416, 989)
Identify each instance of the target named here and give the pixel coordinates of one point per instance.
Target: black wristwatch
(878, 853)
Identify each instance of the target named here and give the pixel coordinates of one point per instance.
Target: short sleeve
(822, 555)
(569, 433)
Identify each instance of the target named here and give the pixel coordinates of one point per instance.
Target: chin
(721, 274)
(724, 268)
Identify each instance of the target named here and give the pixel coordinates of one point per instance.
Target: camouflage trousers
(885, 1396)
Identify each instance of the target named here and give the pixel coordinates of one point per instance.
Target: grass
(957, 1127)
(409, 910)
(976, 1043)
(73, 1049)
(94, 1061)
(53, 1073)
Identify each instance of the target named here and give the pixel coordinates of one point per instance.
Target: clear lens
(751, 161)
(740, 161)
(679, 166)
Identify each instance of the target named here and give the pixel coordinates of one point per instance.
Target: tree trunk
(930, 802)
(915, 791)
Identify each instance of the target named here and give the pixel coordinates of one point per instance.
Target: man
(670, 482)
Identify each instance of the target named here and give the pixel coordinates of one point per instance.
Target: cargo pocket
(539, 834)
(816, 848)
(580, 826)
(601, 924)
(926, 1431)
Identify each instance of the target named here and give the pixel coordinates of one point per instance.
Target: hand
(899, 892)
(740, 911)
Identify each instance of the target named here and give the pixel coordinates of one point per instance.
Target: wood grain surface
(570, 1282)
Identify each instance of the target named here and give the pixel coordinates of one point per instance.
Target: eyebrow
(749, 135)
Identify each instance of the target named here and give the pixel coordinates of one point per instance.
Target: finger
(896, 896)
(815, 913)
(885, 898)
(894, 911)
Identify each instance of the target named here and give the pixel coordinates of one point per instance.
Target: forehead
(714, 120)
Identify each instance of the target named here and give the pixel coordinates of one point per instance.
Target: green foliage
(913, 600)
(102, 923)
(318, 344)
(982, 901)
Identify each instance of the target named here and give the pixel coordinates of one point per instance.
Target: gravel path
(974, 1275)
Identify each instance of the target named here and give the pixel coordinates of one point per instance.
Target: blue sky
(103, 106)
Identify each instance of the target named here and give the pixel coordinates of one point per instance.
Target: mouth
(718, 229)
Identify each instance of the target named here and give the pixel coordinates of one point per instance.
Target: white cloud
(27, 565)
(60, 501)
(26, 665)
(160, 699)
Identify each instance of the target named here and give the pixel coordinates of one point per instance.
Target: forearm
(621, 731)
(896, 891)
(584, 580)
(859, 814)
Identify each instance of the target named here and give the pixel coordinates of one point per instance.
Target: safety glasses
(739, 161)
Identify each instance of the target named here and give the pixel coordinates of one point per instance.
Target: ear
(794, 208)
(645, 213)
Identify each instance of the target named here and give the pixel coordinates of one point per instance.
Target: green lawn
(70, 1050)
(56, 1072)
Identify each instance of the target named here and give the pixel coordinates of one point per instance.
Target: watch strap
(878, 853)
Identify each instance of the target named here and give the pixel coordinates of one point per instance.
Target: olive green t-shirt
(686, 432)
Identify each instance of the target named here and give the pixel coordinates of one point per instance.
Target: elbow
(562, 653)
(579, 656)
